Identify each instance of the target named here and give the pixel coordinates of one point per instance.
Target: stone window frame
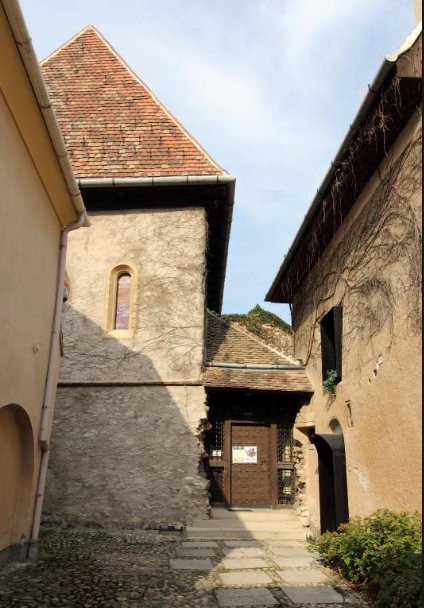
(113, 275)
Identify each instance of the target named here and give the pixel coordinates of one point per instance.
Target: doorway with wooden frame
(250, 449)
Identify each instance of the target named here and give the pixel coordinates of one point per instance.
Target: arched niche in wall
(335, 426)
(16, 474)
(334, 508)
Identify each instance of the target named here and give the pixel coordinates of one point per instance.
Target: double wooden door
(250, 483)
(251, 460)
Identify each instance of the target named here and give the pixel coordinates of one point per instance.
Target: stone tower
(127, 440)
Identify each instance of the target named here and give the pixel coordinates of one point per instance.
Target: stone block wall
(127, 456)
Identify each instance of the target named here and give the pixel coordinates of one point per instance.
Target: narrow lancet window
(122, 304)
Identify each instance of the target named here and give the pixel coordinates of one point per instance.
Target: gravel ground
(90, 568)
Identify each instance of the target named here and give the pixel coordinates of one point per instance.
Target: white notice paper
(245, 454)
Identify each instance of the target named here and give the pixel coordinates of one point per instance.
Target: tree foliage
(256, 318)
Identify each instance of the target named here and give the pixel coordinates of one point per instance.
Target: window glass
(122, 304)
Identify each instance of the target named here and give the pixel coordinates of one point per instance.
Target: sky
(268, 87)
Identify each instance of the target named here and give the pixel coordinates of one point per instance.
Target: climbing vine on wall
(373, 263)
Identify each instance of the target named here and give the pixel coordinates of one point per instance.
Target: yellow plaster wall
(29, 251)
(378, 402)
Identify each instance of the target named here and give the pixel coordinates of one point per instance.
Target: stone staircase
(248, 524)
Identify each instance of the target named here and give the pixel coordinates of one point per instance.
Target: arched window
(119, 319)
(122, 301)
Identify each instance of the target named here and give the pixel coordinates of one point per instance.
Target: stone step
(255, 515)
(230, 524)
(205, 533)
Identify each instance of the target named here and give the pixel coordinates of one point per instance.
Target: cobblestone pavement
(90, 568)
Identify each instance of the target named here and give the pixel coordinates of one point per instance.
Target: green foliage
(256, 318)
(330, 381)
(382, 553)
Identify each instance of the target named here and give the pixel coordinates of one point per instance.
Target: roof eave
(30, 61)
(229, 181)
(385, 71)
(386, 67)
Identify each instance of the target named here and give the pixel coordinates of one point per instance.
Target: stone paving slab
(237, 552)
(295, 561)
(243, 564)
(286, 543)
(305, 576)
(190, 564)
(313, 595)
(191, 544)
(196, 553)
(291, 552)
(242, 543)
(82, 567)
(245, 579)
(229, 598)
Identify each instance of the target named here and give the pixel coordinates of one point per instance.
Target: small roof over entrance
(236, 358)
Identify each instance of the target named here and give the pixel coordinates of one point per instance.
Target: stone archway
(16, 474)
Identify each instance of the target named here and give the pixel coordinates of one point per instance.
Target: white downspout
(49, 390)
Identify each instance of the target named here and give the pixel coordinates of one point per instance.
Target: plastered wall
(166, 249)
(372, 269)
(29, 251)
(130, 410)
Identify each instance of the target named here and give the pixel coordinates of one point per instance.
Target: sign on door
(245, 454)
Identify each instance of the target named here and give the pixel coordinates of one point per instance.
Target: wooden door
(250, 465)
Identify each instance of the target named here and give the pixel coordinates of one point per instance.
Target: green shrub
(382, 553)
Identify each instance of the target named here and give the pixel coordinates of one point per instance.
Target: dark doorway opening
(332, 481)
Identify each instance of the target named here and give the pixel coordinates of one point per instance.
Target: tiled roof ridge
(122, 61)
(68, 42)
(253, 337)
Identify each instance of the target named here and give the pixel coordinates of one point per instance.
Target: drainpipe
(49, 390)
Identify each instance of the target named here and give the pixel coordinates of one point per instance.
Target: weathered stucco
(166, 248)
(130, 453)
(372, 269)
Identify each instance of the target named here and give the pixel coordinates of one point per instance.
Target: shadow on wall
(127, 448)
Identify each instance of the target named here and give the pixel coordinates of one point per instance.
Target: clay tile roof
(227, 344)
(112, 123)
(295, 380)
